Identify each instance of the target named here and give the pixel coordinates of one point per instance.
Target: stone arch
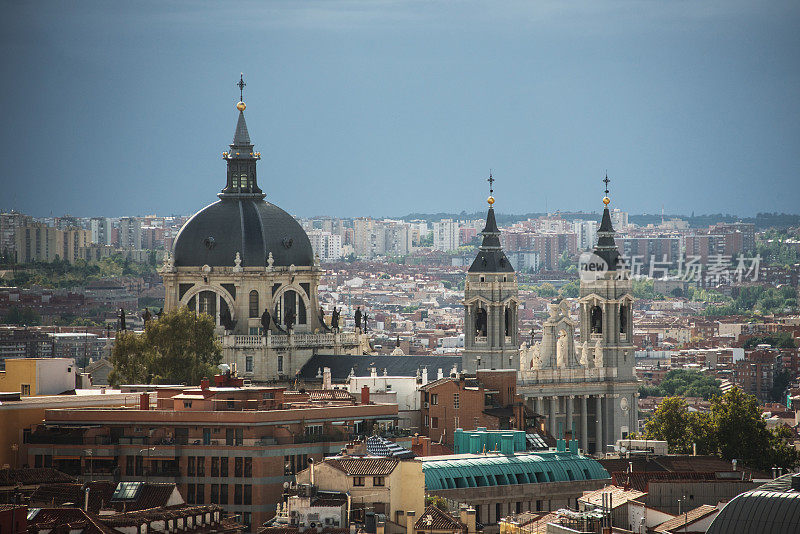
(596, 319)
(224, 300)
(283, 303)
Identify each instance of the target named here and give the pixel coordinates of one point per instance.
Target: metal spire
(491, 183)
(606, 180)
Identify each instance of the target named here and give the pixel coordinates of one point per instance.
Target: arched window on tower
(254, 304)
(596, 319)
(208, 304)
(623, 319)
(507, 321)
(480, 322)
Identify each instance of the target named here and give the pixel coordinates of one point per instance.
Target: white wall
(55, 375)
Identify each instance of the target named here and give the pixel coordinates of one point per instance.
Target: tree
(178, 348)
(21, 316)
(671, 423)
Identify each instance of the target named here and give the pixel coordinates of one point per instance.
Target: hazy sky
(384, 108)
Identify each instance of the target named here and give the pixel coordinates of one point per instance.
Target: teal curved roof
(501, 470)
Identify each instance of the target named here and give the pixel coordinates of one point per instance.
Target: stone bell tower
(491, 337)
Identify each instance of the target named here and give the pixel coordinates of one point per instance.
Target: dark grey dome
(250, 226)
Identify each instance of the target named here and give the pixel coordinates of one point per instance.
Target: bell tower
(491, 337)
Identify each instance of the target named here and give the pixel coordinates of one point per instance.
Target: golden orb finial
(241, 106)
(606, 201)
(490, 200)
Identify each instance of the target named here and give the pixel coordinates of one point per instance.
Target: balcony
(281, 341)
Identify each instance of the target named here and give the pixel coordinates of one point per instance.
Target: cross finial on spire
(606, 180)
(241, 85)
(491, 183)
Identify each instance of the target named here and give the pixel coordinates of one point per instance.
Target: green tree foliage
(734, 429)
(684, 384)
(178, 348)
(570, 290)
(21, 316)
(437, 501)
(61, 274)
(643, 289)
(781, 340)
(772, 248)
(755, 300)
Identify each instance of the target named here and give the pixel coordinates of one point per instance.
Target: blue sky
(384, 108)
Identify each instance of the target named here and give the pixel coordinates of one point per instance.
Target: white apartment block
(326, 245)
(445, 235)
(619, 219)
(130, 233)
(586, 231)
(101, 230)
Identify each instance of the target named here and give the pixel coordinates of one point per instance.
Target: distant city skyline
(388, 108)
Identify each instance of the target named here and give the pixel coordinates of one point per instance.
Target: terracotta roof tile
(686, 519)
(439, 520)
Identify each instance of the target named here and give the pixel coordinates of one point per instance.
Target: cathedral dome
(242, 221)
(250, 226)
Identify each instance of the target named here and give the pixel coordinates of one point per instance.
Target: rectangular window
(223, 466)
(201, 466)
(129, 466)
(214, 497)
(189, 493)
(239, 436)
(223, 494)
(38, 461)
(237, 494)
(248, 467)
(377, 481)
(237, 466)
(214, 466)
(280, 364)
(427, 421)
(190, 467)
(434, 398)
(455, 423)
(229, 436)
(248, 364)
(358, 481)
(206, 436)
(455, 401)
(248, 494)
(288, 462)
(25, 390)
(434, 422)
(200, 496)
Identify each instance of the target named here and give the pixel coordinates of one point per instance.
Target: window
(189, 493)
(248, 364)
(280, 364)
(455, 423)
(237, 494)
(254, 304)
(214, 497)
(201, 466)
(214, 467)
(378, 481)
(237, 466)
(25, 389)
(223, 467)
(358, 481)
(200, 497)
(248, 494)
(191, 466)
(129, 466)
(314, 430)
(248, 467)
(206, 436)
(434, 398)
(187, 404)
(229, 436)
(434, 422)
(223, 493)
(239, 436)
(455, 401)
(427, 421)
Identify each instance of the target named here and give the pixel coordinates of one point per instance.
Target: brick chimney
(467, 514)
(364, 394)
(144, 401)
(204, 383)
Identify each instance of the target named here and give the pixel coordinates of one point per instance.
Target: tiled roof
(640, 480)
(619, 495)
(439, 520)
(380, 446)
(688, 518)
(60, 494)
(29, 476)
(358, 465)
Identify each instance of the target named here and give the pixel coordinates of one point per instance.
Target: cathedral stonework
(250, 266)
(586, 385)
(491, 337)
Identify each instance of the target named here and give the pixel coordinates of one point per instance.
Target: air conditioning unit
(427, 405)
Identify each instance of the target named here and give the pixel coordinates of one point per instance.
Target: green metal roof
(501, 470)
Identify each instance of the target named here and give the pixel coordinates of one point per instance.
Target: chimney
(204, 383)
(439, 374)
(364, 394)
(144, 401)
(373, 372)
(468, 518)
(326, 378)
(424, 375)
(410, 521)
(380, 528)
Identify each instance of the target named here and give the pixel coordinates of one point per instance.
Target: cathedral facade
(250, 266)
(585, 384)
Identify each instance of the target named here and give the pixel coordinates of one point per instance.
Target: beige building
(39, 242)
(382, 485)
